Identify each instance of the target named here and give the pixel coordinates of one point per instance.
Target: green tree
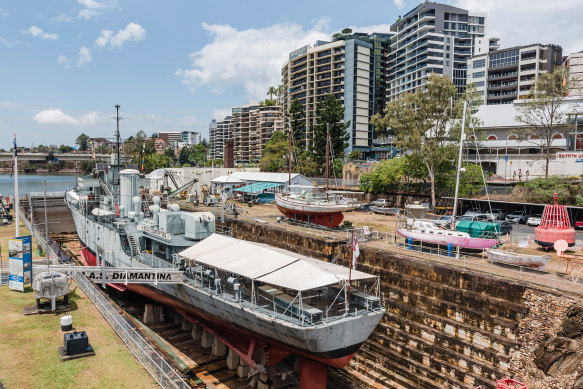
(330, 112)
(420, 120)
(183, 156)
(170, 154)
(296, 119)
(154, 135)
(386, 175)
(155, 161)
(65, 149)
(274, 156)
(346, 31)
(197, 155)
(542, 113)
(103, 149)
(270, 92)
(83, 142)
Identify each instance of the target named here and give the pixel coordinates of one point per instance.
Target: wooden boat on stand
(525, 260)
(324, 208)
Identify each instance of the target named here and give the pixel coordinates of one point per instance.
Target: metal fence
(164, 373)
(481, 263)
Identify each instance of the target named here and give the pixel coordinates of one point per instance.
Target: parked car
(517, 217)
(473, 217)
(381, 203)
(496, 214)
(443, 221)
(579, 225)
(365, 207)
(473, 211)
(534, 220)
(505, 227)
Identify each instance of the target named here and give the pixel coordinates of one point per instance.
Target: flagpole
(350, 265)
(16, 196)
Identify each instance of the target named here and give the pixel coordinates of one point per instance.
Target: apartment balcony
(502, 76)
(503, 87)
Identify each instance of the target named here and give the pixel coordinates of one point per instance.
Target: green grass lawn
(29, 356)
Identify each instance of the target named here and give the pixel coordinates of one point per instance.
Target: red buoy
(554, 225)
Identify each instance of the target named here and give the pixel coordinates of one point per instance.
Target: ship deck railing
(322, 300)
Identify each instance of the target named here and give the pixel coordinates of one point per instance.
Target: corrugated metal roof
(258, 187)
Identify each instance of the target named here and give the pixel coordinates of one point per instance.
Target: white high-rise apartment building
(502, 76)
(219, 132)
(352, 68)
(433, 38)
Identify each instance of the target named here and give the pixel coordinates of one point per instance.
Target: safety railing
(162, 372)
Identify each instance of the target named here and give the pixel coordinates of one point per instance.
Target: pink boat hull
(444, 240)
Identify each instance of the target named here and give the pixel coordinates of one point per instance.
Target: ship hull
(241, 336)
(328, 215)
(332, 343)
(444, 240)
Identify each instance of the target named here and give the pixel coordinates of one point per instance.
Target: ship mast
(459, 165)
(117, 139)
(327, 157)
(289, 136)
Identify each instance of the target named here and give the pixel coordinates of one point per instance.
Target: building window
(557, 136)
(533, 137)
(480, 63)
(479, 84)
(512, 137)
(492, 137)
(479, 74)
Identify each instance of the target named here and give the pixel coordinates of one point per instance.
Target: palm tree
(271, 91)
(279, 93)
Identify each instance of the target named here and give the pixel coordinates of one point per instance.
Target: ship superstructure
(255, 297)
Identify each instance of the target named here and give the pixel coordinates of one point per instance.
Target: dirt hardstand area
(268, 213)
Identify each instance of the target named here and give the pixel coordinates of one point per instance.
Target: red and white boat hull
(444, 239)
(328, 215)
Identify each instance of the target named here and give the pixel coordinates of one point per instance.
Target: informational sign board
(20, 262)
(149, 276)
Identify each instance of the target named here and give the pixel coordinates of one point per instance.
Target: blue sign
(20, 262)
(506, 157)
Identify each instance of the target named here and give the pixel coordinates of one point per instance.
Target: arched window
(557, 136)
(512, 137)
(472, 138)
(492, 137)
(534, 136)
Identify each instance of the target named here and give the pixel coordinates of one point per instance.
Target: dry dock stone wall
(450, 328)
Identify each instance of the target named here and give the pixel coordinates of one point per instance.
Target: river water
(34, 183)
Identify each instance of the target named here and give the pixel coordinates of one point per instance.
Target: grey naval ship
(257, 299)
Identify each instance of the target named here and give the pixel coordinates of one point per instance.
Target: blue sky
(177, 65)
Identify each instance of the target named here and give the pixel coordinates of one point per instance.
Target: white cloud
(57, 116)
(399, 3)
(61, 18)
(82, 58)
(10, 105)
(94, 8)
(221, 113)
(37, 32)
(252, 57)
(3, 13)
(522, 22)
(12, 43)
(132, 32)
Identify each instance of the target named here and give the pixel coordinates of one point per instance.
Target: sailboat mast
(459, 165)
(327, 157)
(289, 136)
(117, 131)
(16, 194)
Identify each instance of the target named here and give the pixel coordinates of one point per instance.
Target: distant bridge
(43, 157)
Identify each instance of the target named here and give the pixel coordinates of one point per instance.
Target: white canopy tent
(263, 263)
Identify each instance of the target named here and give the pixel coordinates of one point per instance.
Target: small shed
(260, 192)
